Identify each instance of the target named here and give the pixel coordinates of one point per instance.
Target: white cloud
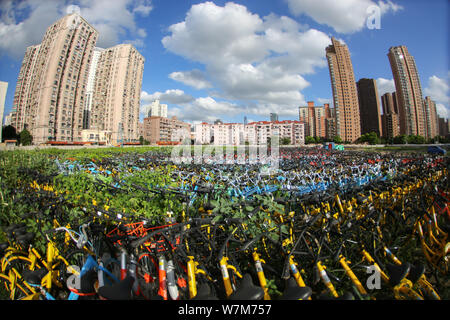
(205, 109)
(172, 96)
(112, 19)
(438, 89)
(194, 78)
(385, 85)
(325, 100)
(344, 16)
(248, 58)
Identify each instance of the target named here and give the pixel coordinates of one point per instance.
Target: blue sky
(228, 59)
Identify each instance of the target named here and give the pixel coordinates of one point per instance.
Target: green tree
(285, 140)
(318, 139)
(371, 138)
(9, 133)
(309, 140)
(415, 139)
(401, 139)
(25, 137)
(337, 139)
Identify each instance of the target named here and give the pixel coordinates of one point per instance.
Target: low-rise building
(156, 129)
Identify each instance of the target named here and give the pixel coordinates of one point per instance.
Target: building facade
(369, 106)
(157, 129)
(345, 96)
(90, 88)
(409, 92)
(51, 88)
(64, 86)
(21, 114)
(3, 90)
(117, 93)
(253, 133)
(389, 118)
(258, 133)
(157, 109)
(273, 116)
(431, 117)
(203, 133)
(314, 119)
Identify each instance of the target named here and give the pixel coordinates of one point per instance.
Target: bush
(25, 137)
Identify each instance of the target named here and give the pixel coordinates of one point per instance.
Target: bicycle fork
(325, 279)
(262, 278)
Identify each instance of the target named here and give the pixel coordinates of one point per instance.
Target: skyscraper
(389, 118)
(50, 92)
(345, 96)
(3, 90)
(66, 86)
(369, 106)
(314, 119)
(90, 87)
(118, 84)
(21, 111)
(157, 109)
(431, 117)
(409, 92)
(273, 117)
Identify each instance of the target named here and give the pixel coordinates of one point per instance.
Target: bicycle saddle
(204, 293)
(294, 292)
(416, 272)
(118, 291)
(34, 277)
(25, 239)
(247, 290)
(397, 272)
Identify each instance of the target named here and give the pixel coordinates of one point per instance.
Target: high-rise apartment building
(90, 87)
(389, 118)
(21, 114)
(314, 119)
(52, 81)
(409, 92)
(273, 116)
(444, 126)
(3, 90)
(157, 109)
(66, 85)
(345, 96)
(369, 106)
(118, 82)
(431, 117)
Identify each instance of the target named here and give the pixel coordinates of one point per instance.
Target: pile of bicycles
(326, 225)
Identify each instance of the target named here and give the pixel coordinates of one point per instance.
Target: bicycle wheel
(12, 280)
(68, 267)
(10, 289)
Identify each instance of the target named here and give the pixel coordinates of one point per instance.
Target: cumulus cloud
(114, 20)
(344, 16)
(172, 96)
(438, 89)
(385, 85)
(194, 78)
(256, 60)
